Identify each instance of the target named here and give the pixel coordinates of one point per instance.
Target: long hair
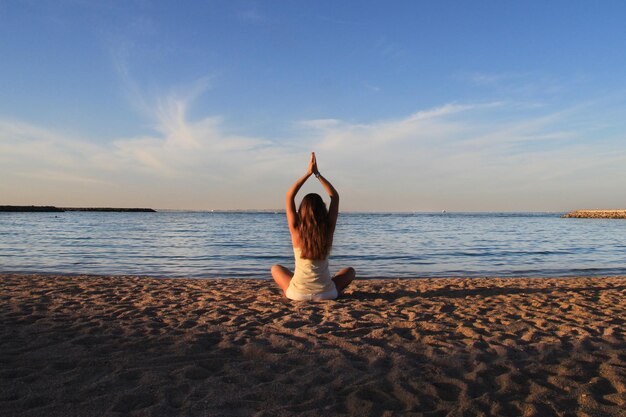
(314, 228)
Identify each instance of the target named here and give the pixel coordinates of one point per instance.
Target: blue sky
(410, 106)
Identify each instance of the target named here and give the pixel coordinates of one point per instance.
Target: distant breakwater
(63, 209)
(597, 214)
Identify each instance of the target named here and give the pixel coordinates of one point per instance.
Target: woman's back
(311, 276)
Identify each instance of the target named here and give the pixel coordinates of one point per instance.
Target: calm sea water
(245, 244)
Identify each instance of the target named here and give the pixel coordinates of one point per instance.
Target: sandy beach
(86, 346)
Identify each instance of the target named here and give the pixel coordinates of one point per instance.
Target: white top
(311, 276)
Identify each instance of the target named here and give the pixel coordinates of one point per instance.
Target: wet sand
(84, 345)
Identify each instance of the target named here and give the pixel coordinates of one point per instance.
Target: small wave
(245, 244)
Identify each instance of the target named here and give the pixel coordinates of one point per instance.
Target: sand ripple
(437, 347)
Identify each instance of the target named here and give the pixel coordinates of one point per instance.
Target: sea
(245, 244)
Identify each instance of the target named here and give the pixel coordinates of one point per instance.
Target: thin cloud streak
(429, 160)
(449, 157)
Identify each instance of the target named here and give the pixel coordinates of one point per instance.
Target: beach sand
(86, 346)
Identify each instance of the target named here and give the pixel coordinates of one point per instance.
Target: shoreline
(268, 279)
(265, 276)
(84, 345)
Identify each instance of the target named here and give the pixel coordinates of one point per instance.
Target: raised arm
(333, 210)
(290, 203)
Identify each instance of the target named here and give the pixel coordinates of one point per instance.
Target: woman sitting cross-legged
(312, 228)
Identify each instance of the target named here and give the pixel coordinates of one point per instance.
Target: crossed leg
(343, 278)
(282, 276)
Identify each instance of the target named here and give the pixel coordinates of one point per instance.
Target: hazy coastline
(63, 209)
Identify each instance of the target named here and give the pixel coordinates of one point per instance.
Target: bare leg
(282, 276)
(343, 278)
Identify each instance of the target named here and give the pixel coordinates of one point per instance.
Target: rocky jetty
(31, 208)
(597, 214)
(141, 210)
(62, 209)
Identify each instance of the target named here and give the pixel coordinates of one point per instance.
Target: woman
(312, 228)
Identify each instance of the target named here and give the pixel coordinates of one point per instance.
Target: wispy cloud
(482, 78)
(458, 156)
(251, 15)
(389, 49)
(517, 84)
(372, 88)
(180, 150)
(434, 157)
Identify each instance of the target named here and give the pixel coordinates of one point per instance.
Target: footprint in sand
(37, 401)
(187, 324)
(447, 392)
(132, 375)
(294, 324)
(64, 366)
(602, 388)
(134, 401)
(177, 395)
(196, 373)
(366, 400)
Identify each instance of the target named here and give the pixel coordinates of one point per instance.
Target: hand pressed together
(312, 169)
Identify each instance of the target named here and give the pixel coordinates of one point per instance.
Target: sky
(409, 105)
